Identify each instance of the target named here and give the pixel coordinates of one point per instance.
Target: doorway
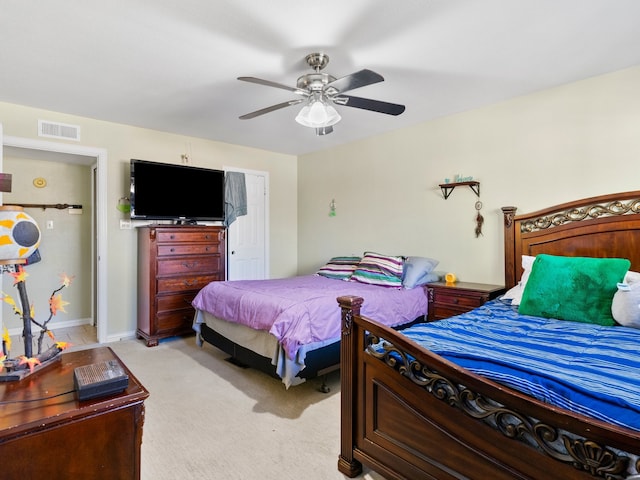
(96, 159)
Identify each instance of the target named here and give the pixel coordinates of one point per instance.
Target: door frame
(98, 157)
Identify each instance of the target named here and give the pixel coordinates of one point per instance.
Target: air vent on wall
(58, 130)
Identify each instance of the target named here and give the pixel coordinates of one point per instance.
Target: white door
(247, 244)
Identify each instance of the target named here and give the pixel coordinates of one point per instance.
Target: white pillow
(632, 277)
(515, 294)
(625, 307)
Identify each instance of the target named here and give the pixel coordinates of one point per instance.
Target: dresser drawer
(188, 265)
(185, 283)
(176, 320)
(168, 303)
(186, 236)
(188, 249)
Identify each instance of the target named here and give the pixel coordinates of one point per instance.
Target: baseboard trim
(118, 337)
(53, 326)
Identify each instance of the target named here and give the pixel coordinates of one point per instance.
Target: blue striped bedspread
(584, 368)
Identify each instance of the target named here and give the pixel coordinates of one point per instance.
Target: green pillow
(580, 289)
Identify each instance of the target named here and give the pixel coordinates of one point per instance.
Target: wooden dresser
(447, 300)
(174, 263)
(64, 438)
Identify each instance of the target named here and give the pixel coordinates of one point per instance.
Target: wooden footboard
(426, 418)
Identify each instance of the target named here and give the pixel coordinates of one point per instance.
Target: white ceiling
(172, 65)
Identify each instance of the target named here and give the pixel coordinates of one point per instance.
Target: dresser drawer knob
(189, 283)
(189, 264)
(456, 300)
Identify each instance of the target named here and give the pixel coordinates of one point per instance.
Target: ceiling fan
(318, 91)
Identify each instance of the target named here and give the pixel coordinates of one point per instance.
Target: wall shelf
(447, 188)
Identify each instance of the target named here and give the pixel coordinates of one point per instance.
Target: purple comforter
(303, 310)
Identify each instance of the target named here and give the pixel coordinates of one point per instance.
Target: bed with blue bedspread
(585, 368)
(541, 383)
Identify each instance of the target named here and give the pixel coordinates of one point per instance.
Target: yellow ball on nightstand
(450, 278)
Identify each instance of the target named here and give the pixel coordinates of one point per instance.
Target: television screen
(164, 191)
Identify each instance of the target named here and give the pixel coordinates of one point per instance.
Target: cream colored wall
(569, 142)
(63, 248)
(552, 146)
(123, 142)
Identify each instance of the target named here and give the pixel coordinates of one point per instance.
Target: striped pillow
(381, 270)
(340, 268)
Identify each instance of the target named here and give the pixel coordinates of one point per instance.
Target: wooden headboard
(604, 226)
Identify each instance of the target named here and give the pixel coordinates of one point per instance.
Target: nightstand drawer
(457, 300)
(437, 312)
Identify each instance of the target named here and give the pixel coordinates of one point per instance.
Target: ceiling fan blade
(368, 104)
(355, 80)
(272, 108)
(269, 83)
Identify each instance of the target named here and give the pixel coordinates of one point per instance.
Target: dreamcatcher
(479, 219)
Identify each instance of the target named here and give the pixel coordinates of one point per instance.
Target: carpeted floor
(209, 419)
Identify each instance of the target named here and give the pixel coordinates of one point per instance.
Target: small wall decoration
(479, 219)
(124, 205)
(332, 208)
(39, 182)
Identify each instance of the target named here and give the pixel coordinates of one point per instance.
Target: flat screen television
(185, 194)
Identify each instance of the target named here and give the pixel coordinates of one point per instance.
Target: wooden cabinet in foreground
(46, 432)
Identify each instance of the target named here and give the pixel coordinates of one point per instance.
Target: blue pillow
(417, 271)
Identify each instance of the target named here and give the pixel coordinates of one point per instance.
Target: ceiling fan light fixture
(323, 131)
(318, 114)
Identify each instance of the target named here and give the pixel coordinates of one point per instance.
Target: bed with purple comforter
(288, 318)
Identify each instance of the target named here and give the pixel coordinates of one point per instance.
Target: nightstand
(447, 300)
